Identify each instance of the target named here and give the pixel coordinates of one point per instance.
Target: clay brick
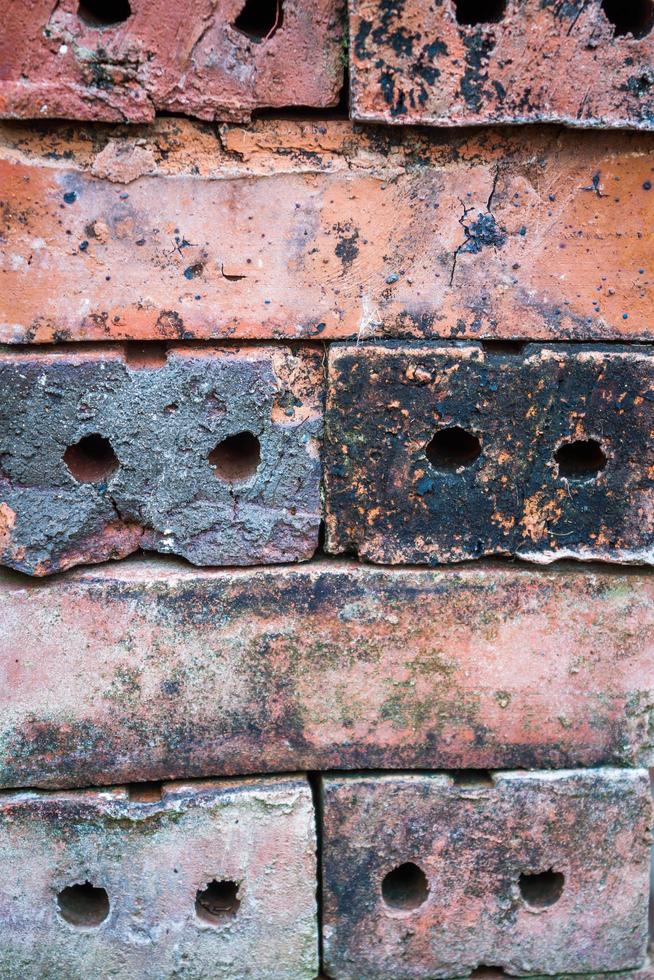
(502, 61)
(531, 872)
(212, 879)
(210, 453)
(444, 452)
(127, 60)
(150, 669)
(320, 230)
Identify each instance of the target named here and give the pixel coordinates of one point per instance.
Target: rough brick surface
(466, 61)
(319, 229)
(531, 872)
(210, 453)
(444, 452)
(150, 669)
(152, 857)
(60, 62)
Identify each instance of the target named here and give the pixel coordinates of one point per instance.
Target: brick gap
(83, 905)
(472, 777)
(145, 792)
(149, 355)
(509, 347)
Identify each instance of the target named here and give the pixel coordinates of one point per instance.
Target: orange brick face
(156, 670)
(127, 61)
(464, 62)
(435, 875)
(321, 230)
(185, 880)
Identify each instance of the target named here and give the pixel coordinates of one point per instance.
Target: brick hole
(260, 19)
(503, 346)
(141, 356)
(635, 17)
(452, 448)
(540, 891)
(472, 777)
(471, 12)
(236, 458)
(92, 459)
(581, 459)
(217, 902)
(144, 792)
(405, 887)
(104, 13)
(84, 906)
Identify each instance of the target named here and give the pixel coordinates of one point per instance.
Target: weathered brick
(433, 875)
(319, 229)
(126, 60)
(150, 669)
(207, 452)
(206, 880)
(502, 61)
(443, 452)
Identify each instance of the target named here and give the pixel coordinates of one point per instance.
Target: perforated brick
(210, 453)
(447, 452)
(127, 60)
(430, 876)
(463, 62)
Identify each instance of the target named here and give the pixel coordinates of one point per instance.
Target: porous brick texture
(432, 875)
(322, 229)
(210, 880)
(129, 59)
(150, 669)
(443, 452)
(210, 453)
(503, 61)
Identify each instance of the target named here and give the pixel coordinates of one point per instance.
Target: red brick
(152, 856)
(532, 872)
(209, 452)
(445, 452)
(469, 62)
(190, 59)
(321, 230)
(150, 669)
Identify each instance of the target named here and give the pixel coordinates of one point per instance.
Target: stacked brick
(326, 490)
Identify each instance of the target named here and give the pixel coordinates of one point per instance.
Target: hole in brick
(236, 458)
(452, 448)
(144, 792)
(260, 19)
(91, 460)
(503, 346)
(145, 355)
(471, 12)
(217, 902)
(542, 890)
(104, 13)
(582, 459)
(635, 17)
(472, 777)
(405, 887)
(84, 906)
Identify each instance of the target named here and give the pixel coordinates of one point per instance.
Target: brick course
(150, 669)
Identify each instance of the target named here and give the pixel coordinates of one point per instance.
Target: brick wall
(326, 490)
